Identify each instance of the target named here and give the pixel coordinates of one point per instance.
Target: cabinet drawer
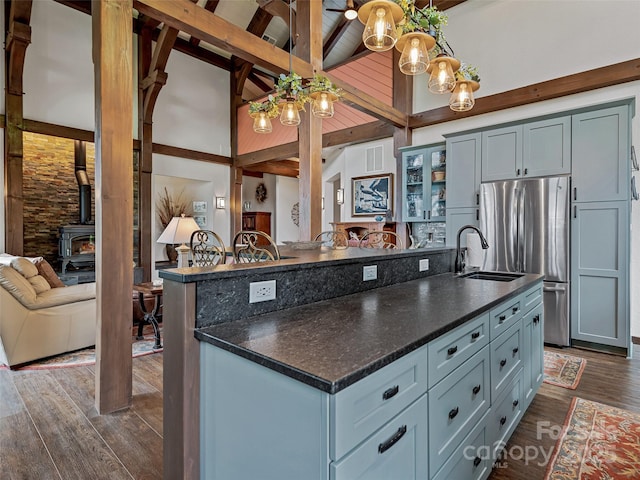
(505, 315)
(359, 410)
(449, 351)
(531, 298)
(506, 359)
(455, 406)
(470, 461)
(397, 450)
(505, 414)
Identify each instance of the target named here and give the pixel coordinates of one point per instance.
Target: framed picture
(372, 195)
(201, 220)
(199, 207)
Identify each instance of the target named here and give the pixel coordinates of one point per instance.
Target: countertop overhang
(334, 343)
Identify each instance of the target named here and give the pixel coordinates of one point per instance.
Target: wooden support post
(16, 43)
(113, 63)
(309, 48)
(403, 101)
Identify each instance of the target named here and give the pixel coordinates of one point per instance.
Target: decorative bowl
(303, 245)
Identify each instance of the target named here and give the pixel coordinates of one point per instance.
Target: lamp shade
(179, 230)
(380, 18)
(462, 97)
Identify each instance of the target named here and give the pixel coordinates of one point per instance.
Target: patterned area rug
(563, 370)
(87, 356)
(597, 442)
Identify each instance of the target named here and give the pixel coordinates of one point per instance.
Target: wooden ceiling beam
(210, 6)
(335, 36)
(278, 8)
(259, 82)
(257, 26)
(348, 136)
(273, 168)
(194, 20)
(83, 6)
(616, 74)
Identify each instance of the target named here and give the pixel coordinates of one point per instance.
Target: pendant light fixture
(414, 48)
(442, 69)
(322, 106)
(462, 96)
(380, 18)
(261, 123)
(290, 115)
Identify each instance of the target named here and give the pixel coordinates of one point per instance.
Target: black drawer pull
(475, 335)
(516, 402)
(452, 350)
(503, 420)
(503, 362)
(476, 389)
(453, 413)
(386, 445)
(502, 318)
(476, 461)
(536, 319)
(514, 310)
(515, 350)
(390, 392)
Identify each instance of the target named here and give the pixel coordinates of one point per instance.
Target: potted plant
(168, 207)
(290, 87)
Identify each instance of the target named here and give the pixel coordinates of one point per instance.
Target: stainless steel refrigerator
(526, 223)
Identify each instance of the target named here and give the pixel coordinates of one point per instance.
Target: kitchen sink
(495, 276)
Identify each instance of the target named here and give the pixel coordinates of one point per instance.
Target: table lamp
(179, 231)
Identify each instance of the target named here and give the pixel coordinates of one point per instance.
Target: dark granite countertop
(292, 259)
(334, 343)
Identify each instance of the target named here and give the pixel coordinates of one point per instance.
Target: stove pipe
(84, 186)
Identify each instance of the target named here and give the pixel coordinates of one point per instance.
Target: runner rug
(563, 370)
(87, 356)
(597, 442)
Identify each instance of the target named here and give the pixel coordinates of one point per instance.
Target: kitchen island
(329, 388)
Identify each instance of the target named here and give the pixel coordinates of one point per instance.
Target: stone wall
(50, 193)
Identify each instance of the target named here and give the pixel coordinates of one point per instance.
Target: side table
(152, 316)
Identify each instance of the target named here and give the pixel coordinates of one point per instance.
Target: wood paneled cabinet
(260, 221)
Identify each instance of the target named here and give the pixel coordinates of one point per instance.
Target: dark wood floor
(49, 428)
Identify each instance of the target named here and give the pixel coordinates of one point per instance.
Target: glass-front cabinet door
(423, 184)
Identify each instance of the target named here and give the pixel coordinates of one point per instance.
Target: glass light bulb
(462, 97)
(441, 79)
(262, 123)
(351, 14)
(290, 115)
(415, 57)
(380, 31)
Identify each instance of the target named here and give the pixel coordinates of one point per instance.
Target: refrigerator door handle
(554, 289)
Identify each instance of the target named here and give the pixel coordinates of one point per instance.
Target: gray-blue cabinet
(546, 147)
(600, 155)
(424, 184)
(463, 184)
(600, 234)
(501, 153)
(531, 149)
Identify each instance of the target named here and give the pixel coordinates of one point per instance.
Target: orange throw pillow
(45, 269)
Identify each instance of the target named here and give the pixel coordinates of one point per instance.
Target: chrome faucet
(459, 265)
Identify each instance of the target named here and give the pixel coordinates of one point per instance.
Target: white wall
(192, 110)
(249, 185)
(286, 196)
(199, 181)
(350, 163)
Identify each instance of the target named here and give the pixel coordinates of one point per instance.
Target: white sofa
(38, 322)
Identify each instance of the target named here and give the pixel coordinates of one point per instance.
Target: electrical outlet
(369, 272)
(424, 264)
(262, 291)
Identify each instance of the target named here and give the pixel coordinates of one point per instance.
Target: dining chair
(254, 246)
(334, 239)
(381, 239)
(207, 249)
